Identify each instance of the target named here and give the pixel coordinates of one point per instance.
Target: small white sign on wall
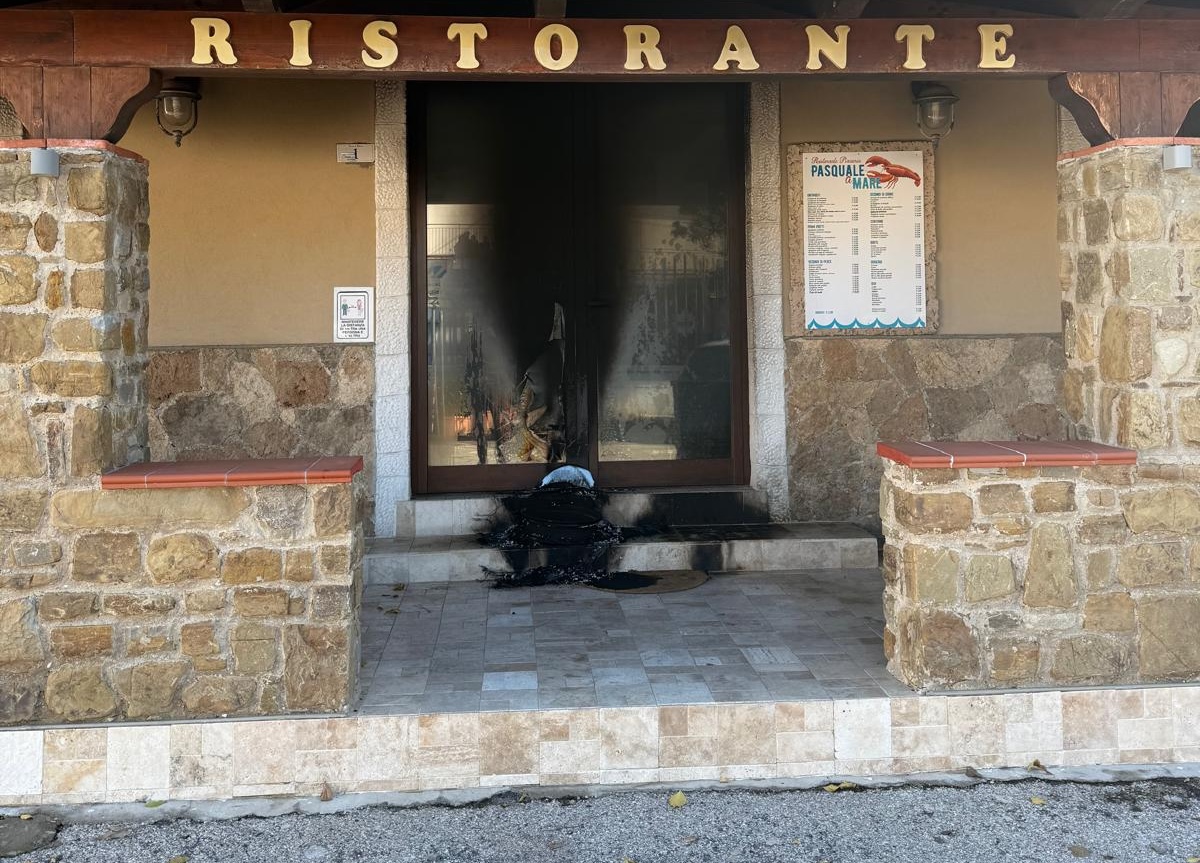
(354, 315)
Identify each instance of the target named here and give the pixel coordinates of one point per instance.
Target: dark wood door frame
(435, 479)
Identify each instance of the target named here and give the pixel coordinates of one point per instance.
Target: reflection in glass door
(665, 366)
(578, 268)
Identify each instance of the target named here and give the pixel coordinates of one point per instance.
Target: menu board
(864, 240)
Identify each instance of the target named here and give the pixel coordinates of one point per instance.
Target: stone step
(749, 548)
(459, 515)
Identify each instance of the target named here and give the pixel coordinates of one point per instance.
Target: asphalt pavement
(1040, 821)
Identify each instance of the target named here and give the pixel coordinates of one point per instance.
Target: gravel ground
(1037, 821)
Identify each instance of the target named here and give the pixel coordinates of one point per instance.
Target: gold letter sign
(212, 37)
(300, 55)
(823, 48)
(543, 47)
(641, 41)
(993, 45)
(915, 35)
(381, 51)
(737, 50)
(466, 34)
(820, 42)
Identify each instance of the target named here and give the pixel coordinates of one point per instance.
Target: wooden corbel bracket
(78, 102)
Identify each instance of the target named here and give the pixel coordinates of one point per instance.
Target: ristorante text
(556, 46)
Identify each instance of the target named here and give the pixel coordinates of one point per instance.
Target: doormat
(654, 581)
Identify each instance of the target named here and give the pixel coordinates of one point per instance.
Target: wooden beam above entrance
(183, 43)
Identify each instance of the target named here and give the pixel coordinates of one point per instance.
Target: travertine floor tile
(737, 638)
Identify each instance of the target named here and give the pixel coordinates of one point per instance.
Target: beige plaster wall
(252, 220)
(996, 190)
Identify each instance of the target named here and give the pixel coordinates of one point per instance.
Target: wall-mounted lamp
(43, 162)
(177, 107)
(1177, 157)
(935, 109)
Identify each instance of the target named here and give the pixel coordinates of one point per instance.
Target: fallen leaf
(399, 587)
(1079, 851)
(154, 804)
(1193, 860)
(392, 611)
(690, 840)
(677, 800)
(26, 816)
(834, 787)
(178, 858)
(1037, 801)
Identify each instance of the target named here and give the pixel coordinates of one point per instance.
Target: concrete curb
(268, 807)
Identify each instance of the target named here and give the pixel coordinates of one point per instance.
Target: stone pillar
(73, 316)
(394, 511)
(1130, 269)
(1001, 577)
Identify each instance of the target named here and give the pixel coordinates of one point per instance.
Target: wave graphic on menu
(873, 325)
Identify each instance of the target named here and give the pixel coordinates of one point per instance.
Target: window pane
(665, 369)
(498, 270)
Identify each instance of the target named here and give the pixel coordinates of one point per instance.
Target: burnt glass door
(578, 284)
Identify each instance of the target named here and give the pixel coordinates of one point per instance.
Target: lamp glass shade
(935, 110)
(935, 117)
(178, 110)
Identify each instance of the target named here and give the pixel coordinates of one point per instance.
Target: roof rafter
(1035, 8)
(838, 8)
(1108, 8)
(549, 8)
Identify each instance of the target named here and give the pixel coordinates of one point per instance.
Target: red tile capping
(71, 144)
(1126, 142)
(1023, 453)
(202, 474)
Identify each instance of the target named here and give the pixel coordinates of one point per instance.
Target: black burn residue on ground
(558, 535)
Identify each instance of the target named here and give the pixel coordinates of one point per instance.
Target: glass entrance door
(578, 268)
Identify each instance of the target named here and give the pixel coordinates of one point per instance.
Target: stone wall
(846, 394)
(1041, 577)
(138, 604)
(1129, 235)
(181, 603)
(73, 284)
(263, 402)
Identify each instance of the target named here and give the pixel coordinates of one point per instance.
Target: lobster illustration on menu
(889, 173)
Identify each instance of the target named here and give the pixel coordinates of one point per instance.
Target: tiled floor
(699, 533)
(461, 647)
